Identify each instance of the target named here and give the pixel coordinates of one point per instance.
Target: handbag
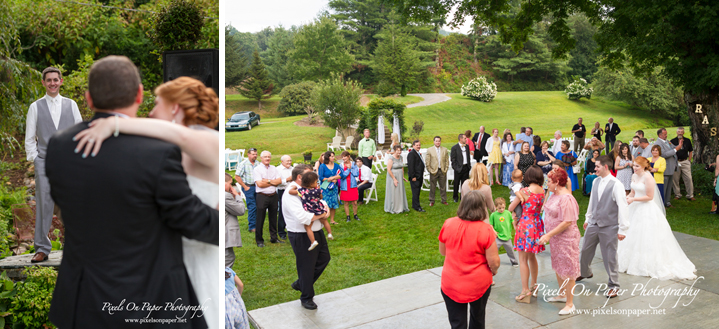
(710, 168)
(568, 159)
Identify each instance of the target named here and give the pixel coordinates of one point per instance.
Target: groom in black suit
(125, 212)
(415, 173)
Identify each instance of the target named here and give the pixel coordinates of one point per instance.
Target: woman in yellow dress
(495, 156)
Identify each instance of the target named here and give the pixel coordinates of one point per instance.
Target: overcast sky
(253, 16)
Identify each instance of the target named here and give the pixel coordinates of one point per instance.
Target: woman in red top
(470, 143)
(472, 258)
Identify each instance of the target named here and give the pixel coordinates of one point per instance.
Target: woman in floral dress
(529, 229)
(508, 153)
(623, 166)
(561, 214)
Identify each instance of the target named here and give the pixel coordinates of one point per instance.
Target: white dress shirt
(506, 148)
(437, 149)
(464, 153)
(295, 215)
(265, 172)
(284, 174)
(55, 106)
(365, 174)
(618, 195)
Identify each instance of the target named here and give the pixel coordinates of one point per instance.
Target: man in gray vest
(605, 224)
(46, 116)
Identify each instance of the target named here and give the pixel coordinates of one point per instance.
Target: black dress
(598, 135)
(525, 161)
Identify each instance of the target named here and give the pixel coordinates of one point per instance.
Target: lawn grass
(383, 245)
(406, 100)
(544, 111)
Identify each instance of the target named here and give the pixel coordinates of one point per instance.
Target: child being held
(311, 196)
(501, 221)
(514, 187)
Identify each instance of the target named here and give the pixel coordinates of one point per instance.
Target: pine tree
(397, 60)
(257, 86)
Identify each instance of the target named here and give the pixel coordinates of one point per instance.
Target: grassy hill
(546, 112)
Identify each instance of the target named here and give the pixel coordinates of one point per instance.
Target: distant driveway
(429, 99)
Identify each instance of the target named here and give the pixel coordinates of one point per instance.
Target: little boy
(514, 187)
(501, 221)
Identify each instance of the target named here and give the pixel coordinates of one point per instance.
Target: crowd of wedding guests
(540, 176)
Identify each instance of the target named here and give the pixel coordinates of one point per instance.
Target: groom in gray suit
(47, 115)
(669, 153)
(605, 224)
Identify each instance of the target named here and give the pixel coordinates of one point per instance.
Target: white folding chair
(450, 180)
(242, 154)
(378, 162)
(580, 161)
(348, 143)
(425, 181)
(372, 189)
(232, 159)
(335, 143)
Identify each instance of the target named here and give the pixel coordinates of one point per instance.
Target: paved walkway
(429, 99)
(414, 301)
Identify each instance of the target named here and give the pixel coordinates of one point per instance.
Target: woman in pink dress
(560, 219)
(529, 229)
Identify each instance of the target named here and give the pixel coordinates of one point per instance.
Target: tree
(396, 59)
(257, 86)
(584, 55)
(296, 99)
(677, 35)
(320, 50)
(654, 92)
(235, 61)
(337, 102)
(19, 83)
(277, 57)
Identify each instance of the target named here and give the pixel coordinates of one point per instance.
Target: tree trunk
(704, 114)
(259, 105)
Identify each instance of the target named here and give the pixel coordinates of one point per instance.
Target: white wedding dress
(650, 248)
(202, 259)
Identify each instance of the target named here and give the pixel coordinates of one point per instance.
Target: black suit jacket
(415, 166)
(456, 159)
(480, 149)
(125, 212)
(611, 133)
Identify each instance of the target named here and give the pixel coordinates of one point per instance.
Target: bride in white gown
(181, 104)
(650, 248)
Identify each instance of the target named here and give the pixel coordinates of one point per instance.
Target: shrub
(480, 89)
(178, 26)
(703, 181)
(384, 89)
(578, 89)
(7, 295)
(296, 99)
(32, 302)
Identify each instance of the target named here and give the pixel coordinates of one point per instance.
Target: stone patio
(414, 301)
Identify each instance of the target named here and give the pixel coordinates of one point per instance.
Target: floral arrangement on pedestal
(578, 89)
(480, 89)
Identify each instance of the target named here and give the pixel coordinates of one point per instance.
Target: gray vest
(606, 212)
(45, 126)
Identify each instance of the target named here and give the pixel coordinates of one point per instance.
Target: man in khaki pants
(684, 158)
(437, 161)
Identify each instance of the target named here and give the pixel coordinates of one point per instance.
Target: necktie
(366, 139)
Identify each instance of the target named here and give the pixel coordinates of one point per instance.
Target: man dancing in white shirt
(310, 263)
(605, 223)
(46, 116)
